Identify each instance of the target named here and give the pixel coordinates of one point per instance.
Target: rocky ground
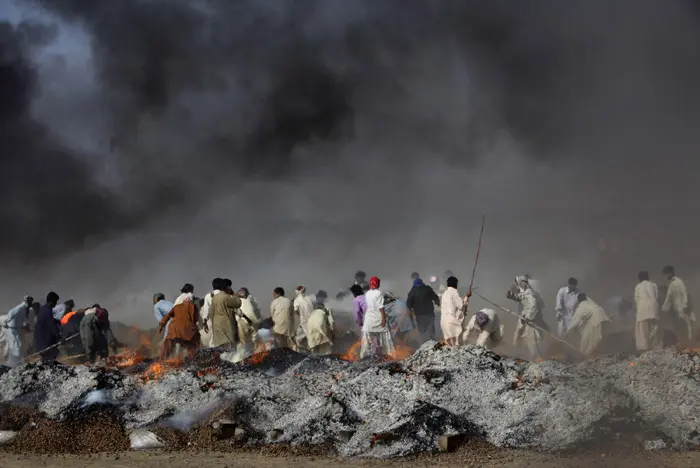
(468, 456)
(327, 405)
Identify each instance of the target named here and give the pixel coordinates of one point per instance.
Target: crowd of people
(232, 320)
(31, 328)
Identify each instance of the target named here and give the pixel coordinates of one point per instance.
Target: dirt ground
(466, 456)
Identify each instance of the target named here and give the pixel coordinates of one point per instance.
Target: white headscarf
(184, 297)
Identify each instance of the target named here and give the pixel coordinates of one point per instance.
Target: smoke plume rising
(150, 143)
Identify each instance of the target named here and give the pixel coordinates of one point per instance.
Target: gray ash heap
(368, 407)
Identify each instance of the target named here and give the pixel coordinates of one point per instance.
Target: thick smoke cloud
(284, 142)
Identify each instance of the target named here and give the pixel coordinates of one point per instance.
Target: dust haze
(150, 143)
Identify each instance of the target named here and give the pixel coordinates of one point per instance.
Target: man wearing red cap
(376, 337)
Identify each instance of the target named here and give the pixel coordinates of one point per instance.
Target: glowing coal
(375, 407)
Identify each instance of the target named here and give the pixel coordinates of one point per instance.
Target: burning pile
(373, 407)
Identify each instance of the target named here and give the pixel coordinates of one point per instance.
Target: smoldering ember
(371, 407)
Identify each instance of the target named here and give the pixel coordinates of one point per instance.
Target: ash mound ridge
(369, 407)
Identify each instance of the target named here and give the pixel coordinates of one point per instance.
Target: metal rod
(529, 323)
(50, 347)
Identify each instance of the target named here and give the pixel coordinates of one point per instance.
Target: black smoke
(203, 94)
(50, 200)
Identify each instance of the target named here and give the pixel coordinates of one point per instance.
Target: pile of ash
(368, 407)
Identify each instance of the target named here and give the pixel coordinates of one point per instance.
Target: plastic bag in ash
(142, 439)
(7, 436)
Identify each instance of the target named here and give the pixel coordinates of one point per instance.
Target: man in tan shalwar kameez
(646, 298)
(590, 319)
(222, 314)
(320, 327)
(282, 313)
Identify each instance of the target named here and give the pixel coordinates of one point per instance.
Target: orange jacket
(183, 320)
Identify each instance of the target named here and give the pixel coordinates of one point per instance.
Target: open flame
(158, 369)
(257, 358)
(128, 359)
(401, 352)
(353, 352)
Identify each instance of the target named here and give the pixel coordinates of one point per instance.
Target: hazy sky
(150, 143)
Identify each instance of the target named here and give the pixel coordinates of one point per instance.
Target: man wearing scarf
(530, 307)
(183, 330)
(376, 337)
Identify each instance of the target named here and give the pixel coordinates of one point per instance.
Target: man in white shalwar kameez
(591, 321)
(376, 337)
(320, 327)
(678, 304)
(565, 305)
(452, 308)
(247, 320)
(303, 307)
(647, 328)
(530, 310)
(15, 325)
(488, 327)
(205, 331)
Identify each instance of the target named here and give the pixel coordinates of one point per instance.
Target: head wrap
(452, 282)
(417, 282)
(374, 282)
(434, 279)
(481, 318)
(522, 278)
(300, 289)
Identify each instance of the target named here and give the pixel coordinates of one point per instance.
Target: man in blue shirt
(161, 307)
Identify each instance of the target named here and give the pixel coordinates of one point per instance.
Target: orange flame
(353, 353)
(401, 352)
(130, 358)
(257, 358)
(156, 370)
